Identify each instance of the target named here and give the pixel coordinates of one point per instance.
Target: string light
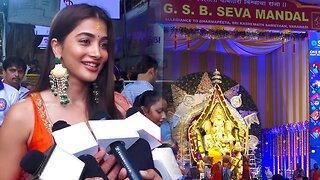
(289, 147)
(302, 148)
(274, 154)
(281, 152)
(289, 150)
(294, 151)
(307, 151)
(278, 155)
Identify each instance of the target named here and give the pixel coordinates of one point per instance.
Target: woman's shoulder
(21, 111)
(19, 119)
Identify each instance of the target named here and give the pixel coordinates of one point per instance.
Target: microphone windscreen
(32, 161)
(140, 155)
(59, 125)
(133, 110)
(91, 168)
(100, 115)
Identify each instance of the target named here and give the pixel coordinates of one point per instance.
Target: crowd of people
(298, 174)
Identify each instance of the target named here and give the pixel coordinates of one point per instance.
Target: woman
(81, 84)
(152, 105)
(315, 173)
(298, 173)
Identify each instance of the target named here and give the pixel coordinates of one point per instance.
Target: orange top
(41, 138)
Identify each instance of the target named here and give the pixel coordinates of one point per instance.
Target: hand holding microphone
(52, 164)
(78, 140)
(116, 142)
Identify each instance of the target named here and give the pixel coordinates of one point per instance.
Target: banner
(111, 6)
(276, 14)
(314, 91)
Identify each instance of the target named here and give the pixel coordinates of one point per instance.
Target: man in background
(147, 70)
(34, 67)
(14, 69)
(8, 97)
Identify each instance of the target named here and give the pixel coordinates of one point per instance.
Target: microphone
(140, 155)
(119, 150)
(76, 139)
(31, 162)
(49, 165)
(91, 168)
(117, 141)
(166, 163)
(100, 115)
(59, 125)
(35, 161)
(146, 129)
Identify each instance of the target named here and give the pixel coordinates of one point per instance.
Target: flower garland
(220, 32)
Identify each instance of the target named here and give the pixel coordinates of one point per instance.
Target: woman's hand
(114, 170)
(110, 166)
(150, 174)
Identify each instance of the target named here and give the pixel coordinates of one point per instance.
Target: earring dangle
(59, 82)
(95, 92)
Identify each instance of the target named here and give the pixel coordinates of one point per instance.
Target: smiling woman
(79, 61)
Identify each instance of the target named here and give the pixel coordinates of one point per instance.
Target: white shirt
(23, 92)
(8, 97)
(131, 91)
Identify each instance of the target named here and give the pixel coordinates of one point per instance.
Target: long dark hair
(62, 25)
(146, 99)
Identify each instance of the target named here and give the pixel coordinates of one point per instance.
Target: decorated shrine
(215, 114)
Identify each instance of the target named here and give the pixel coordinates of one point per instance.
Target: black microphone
(59, 125)
(140, 155)
(120, 152)
(31, 162)
(34, 159)
(100, 115)
(51, 164)
(91, 168)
